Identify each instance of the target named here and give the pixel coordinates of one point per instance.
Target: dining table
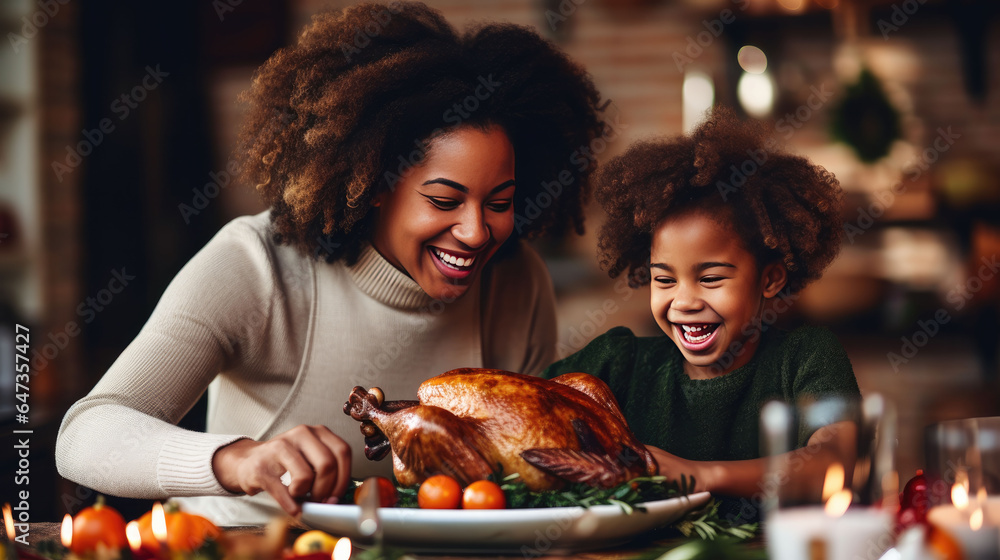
(645, 546)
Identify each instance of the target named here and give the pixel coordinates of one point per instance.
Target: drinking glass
(850, 514)
(963, 483)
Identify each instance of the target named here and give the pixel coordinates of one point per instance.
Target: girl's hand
(318, 461)
(673, 466)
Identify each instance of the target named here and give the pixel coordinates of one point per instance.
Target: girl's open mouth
(451, 265)
(697, 336)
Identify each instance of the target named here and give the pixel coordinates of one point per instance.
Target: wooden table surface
(50, 531)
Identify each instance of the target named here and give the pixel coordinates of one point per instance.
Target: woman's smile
(453, 264)
(447, 217)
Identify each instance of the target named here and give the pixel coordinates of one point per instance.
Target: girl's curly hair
(339, 116)
(780, 205)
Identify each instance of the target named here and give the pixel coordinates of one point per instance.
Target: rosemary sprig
(626, 496)
(706, 524)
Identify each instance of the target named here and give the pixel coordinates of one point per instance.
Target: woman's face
(707, 291)
(446, 217)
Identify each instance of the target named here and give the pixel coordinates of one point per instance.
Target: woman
(402, 163)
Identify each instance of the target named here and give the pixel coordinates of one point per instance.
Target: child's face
(446, 217)
(706, 290)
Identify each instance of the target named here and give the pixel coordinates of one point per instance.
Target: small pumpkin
(186, 532)
(314, 542)
(99, 523)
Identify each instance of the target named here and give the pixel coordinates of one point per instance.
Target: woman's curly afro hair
(339, 116)
(784, 208)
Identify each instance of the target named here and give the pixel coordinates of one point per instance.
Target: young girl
(402, 158)
(723, 225)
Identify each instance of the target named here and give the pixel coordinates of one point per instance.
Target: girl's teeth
(696, 338)
(691, 332)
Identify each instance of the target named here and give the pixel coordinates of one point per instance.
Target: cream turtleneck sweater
(279, 340)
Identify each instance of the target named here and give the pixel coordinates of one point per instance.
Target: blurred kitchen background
(115, 120)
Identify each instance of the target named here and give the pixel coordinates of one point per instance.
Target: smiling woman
(446, 219)
(376, 264)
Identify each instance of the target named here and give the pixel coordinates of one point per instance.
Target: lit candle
(159, 526)
(133, 536)
(9, 549)
(835, 496)
(964, 520)
(833, 531)
(66, 532)
(342, 550)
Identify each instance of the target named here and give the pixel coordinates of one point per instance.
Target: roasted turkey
(470, 423)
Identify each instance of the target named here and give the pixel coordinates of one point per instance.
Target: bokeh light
(793, 6)
(756, 94)
(698, 96)
(752, 59)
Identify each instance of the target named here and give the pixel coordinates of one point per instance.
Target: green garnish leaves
(704, 523)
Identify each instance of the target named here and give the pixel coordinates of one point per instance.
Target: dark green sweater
(711, 419)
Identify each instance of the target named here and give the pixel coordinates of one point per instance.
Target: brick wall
(628, 53)
(59, 78)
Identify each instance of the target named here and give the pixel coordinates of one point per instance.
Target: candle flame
(834, 481)
(838, 503)
(342, 550)
(960, 495)
(159, 523)
(976, 520)
(8, 521)
(66, 533)
(133, 535)
(837, 498)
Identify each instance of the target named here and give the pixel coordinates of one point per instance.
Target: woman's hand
(318, 461)
(673, 467)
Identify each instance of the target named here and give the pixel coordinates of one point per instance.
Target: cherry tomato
(387, 496)
(439, 492)
(483, 494)
(98, 524)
